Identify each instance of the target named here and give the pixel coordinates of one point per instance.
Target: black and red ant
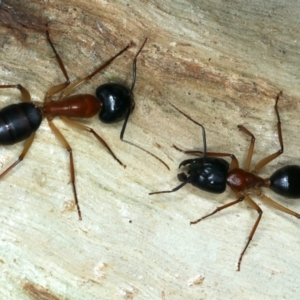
(211, 173)
(113, 101)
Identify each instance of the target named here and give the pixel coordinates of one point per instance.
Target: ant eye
(116, 100)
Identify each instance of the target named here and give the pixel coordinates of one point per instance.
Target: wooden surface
(222, 62)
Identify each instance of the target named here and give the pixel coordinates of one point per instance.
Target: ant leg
(57, 88)
(74, 85)
(260, 212)
(269, 158)
(240, 199)
(278, 206)
(27, 145)
(253, 205)
(91, 130)
(62, 139)
(234, 162)
(251, 147)
(25, 94)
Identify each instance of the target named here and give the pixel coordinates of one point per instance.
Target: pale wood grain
(222, 62)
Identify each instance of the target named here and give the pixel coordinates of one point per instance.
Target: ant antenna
(134, 65)
(130, 110)
(203, 129)
(182, 177)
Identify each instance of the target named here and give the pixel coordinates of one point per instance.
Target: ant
(211, 173)
(114, 102)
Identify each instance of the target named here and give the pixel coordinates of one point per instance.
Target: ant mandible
(113, 101)
(211, 173)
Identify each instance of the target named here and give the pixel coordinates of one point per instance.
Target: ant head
(209, 174)
(116, 100)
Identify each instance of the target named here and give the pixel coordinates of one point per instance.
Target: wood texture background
(222, 62)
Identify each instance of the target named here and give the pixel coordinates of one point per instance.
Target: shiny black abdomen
(286, 181)
(116, 99)
(18, 122)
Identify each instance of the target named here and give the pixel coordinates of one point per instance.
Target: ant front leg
(91, 130)
(74, 85)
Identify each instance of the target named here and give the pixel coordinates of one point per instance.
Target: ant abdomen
(286, 181)
(18, 122)
(116, 100)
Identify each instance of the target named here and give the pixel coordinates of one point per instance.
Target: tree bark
(222, 63)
